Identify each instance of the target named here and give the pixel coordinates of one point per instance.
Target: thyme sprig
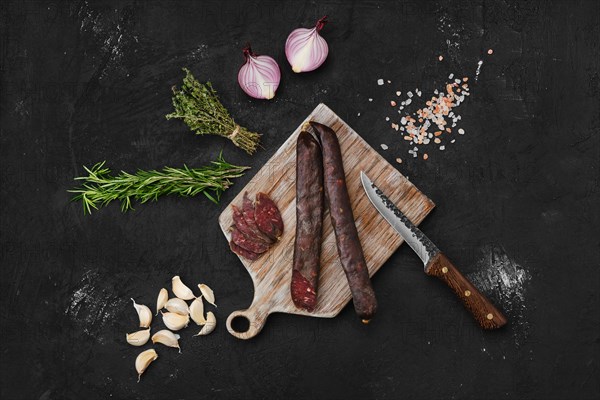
(198, 105)
(100, 187)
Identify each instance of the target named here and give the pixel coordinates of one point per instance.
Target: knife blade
(434, 261)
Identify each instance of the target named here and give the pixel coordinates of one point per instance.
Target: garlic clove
(143, 360)
(138, 338)
(259, 77)
(207, 293)
(167, 338)
(178, 306)
(211, 323)
(181, 290)
(144, 314)
(163, 296)
(197, 311)
(305, 49)
(175, 321)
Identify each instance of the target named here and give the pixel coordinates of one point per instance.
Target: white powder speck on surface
(380, 82)
(93, 305)
(504, 281)
(384, 146)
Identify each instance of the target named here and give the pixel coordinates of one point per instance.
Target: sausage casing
(342, 219)
(309, 221)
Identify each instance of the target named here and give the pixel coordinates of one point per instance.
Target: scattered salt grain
(393, 103)
(384, 146)
(407, 102)
(461, 131)
(380, 82)
(399, 160)
(370, 99)
(358, 115)
(387, 118)
(442, 148)
(490, 51)
(398, 93)
(479, 64)
(440, 58)
(389, 81)
(425, 156)
(450, 76)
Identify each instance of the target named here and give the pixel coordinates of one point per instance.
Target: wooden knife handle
(488, 316)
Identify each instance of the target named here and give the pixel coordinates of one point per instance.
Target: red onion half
(305, 49)
(259, 76)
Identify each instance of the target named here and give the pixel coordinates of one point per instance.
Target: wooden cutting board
(271, 273)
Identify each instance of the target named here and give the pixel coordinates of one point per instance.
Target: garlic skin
(176, 305)
(197, 311)
(175, 321)
(211, 324)
(144, 314)
(259, 77)
(305, 49)
(138, 338)
(163, 296)
(167, 338)
(207, 293)
(143, 360)
(181, 290)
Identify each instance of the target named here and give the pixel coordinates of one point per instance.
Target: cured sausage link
(309, 221)
(346, 235)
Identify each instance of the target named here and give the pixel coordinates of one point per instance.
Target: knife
(436, 263)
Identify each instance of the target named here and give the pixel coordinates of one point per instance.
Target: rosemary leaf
(99, 187)
(198, 105)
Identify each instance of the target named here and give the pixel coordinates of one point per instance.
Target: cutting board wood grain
(271, 273)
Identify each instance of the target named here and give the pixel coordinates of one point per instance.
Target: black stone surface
(85, 81)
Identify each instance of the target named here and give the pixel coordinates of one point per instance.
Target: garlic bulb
(163, 296)
(143, 360)
(138, 338)
(207, 293)
(175, 321)
(197, 311)
(176, 305)
(211, 323)
(181, 290)
(259, 77)
(305, 49)
(144, 314)
(167, 338)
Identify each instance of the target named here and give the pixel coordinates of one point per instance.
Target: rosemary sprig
(99, 187)
(200, 108)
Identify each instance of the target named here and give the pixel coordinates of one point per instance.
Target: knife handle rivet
(467, 293)
(445, 270)
(490, 316)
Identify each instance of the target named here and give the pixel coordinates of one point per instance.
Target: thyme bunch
(198, 105)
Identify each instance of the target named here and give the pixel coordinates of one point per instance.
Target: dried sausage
(240, 223)
(309, 221)
(243, 252)
(267, 216)
(248, 213)
(346, 235)
(246, 243)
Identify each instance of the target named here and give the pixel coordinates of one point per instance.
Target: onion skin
(305, 49)
(259, 77)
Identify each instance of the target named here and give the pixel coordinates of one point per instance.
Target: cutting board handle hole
(240, 324)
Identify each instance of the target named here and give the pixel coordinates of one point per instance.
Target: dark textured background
(84, 81)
